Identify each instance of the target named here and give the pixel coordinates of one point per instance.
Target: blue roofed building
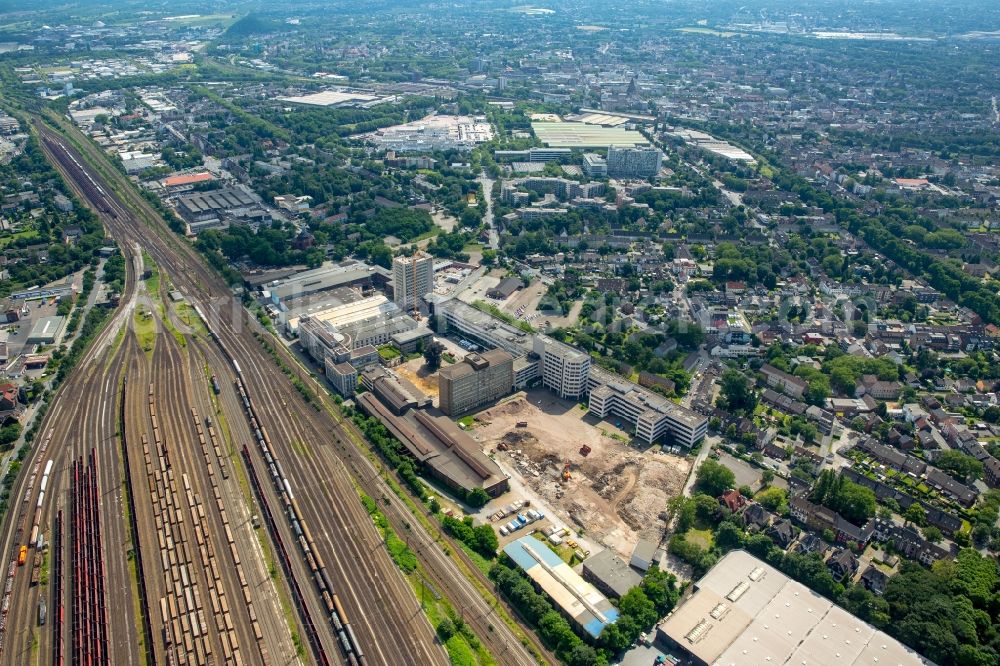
(578, 600)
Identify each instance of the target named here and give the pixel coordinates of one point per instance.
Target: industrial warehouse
(580, 601)
(745, 612)
(447, 453)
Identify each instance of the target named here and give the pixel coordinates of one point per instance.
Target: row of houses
(918, 469)
(840, 561)
(821, 417)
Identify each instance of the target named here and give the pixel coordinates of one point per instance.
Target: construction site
(581, 468)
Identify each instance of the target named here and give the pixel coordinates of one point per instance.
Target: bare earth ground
(444, 220)
(417, 373)
(616, 494)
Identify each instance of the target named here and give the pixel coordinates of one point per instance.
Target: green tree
(736, 394)
(432, 354)
(867, 606)
(853, 501)
(773, 499)
(714, 478)
(960, 465)
(485, 540)
(932, 534)
(618, 636)
(685, 511)
(582, 655)
(915, 514)
(766, 477)
(661, 588)
(728, 536)
(477, 497)
(10, 433)
(637, 605)
(688, 334)
(445, 629)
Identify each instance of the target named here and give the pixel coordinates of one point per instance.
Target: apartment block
(633, 162)
(781, 380)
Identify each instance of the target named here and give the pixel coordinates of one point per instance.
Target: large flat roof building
(610, 573)
(368, 321)
(202, 206)
(437, 132)
(47, 331)
(582, 135)
(744, 612)
(285, 292)
(447, 453)
(580, 601)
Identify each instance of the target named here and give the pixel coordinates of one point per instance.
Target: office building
(477, 380)
(412, 279)
(490, 332)
(633, 162)
(342, 376)
(595, 166)
(412, 340)
(653, 415)
(511, 191)
(744, 611)
(532, 155)
(567, 371)
(340, 364)
(564, 368)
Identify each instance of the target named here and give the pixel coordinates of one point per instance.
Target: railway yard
(183, 505)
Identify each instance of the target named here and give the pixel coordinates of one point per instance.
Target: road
(320, 453)
(487, 185)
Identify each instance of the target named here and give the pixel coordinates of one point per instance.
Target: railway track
(195, 555)
(79, 420)
(137, 551)
(58, 610)
(321, 460)
(88, 608)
